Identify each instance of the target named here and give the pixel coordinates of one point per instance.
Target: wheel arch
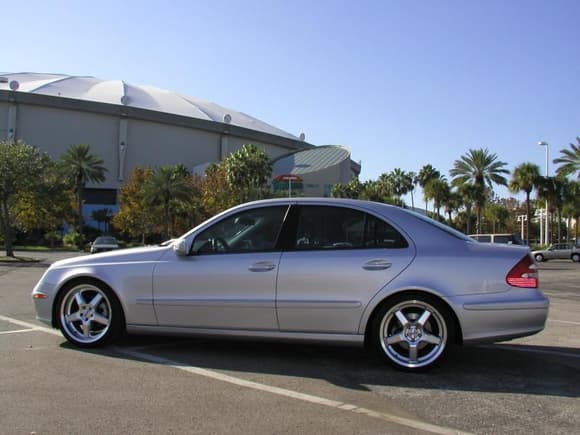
(410, 292)
(73, 280)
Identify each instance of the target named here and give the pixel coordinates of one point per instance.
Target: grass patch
(16, 260)
(33, 248)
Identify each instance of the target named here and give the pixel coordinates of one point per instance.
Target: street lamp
(545, 144)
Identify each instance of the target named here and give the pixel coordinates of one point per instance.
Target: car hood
(151, 253)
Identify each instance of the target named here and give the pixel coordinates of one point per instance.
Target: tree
(83, 167)
(552, 190)
(414, 181)
(467, 194)
(102, 215)
(216, 193)
(247, 171)
(135, 217)
(525, 178)
(482, 169)
(49, 204)
(437, 190)
(571, 208)
(352, 189)
(452, 203)
(167, 184)
(426, 174)
(498, 215)
(21, 169)
(569, 160)
(400, 183)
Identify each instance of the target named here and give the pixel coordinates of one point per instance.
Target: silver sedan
(322, 270)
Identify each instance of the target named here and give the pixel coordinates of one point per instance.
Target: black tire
(89, 314)
(575, 258)
(413, 331)
(539, 258)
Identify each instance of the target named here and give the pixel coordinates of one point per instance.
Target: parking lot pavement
(163, 385)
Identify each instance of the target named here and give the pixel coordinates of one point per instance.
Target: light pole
(523, 218)
(546, 233)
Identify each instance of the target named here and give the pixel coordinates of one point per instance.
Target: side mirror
(180, 248)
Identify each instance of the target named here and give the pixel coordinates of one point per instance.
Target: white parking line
(29, 325)
(412, 424)
(17, 331)
(525, 348)
(567, 322)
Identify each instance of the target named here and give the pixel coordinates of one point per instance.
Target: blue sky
(401, 83)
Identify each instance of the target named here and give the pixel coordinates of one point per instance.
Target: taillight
(524, 274)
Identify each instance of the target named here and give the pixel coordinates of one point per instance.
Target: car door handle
(262, 266)
(378, 264)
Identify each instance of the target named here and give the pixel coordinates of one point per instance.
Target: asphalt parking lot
(176, 385)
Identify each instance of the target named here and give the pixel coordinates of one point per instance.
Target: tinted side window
(503, 239)
(321, 227)
(484, 239)
(254, 230)
(380, 234)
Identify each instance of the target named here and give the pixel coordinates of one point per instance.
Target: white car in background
(104, 244)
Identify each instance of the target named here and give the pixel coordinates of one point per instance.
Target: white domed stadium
(132, 125)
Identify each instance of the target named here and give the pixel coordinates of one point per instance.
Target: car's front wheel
(539, 258)
(413, 332)
(575, 258)
(89, 314)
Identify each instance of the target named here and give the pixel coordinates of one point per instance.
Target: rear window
(106, 240)
(451, 231)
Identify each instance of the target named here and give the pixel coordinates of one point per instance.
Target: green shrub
(71, 239)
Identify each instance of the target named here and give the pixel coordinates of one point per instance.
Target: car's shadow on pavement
(502, 368)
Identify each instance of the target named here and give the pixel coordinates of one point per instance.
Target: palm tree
(525, 177)
(83, 168)
(168, 183)
(482, 169)
(426, 174)
(571, 207)
(413, 185)
(452, 204)
(438, 190)
(552, 190)
(467, 194)
(401, 183)
(248, 170)
(102, 215)
(570, 160)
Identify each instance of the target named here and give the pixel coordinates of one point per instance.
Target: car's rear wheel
(89, 314)
(413, 331)
(575, 258)
(539, 258)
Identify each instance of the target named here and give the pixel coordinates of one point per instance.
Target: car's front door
(337, 261)
(229, 280)
(562, 251)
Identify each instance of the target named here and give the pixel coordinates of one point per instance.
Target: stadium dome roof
(311, 160)
(121, 93)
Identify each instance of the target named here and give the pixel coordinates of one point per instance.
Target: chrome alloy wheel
(413, 334)
(85, 314)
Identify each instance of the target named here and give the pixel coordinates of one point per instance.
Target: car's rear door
(336, 260)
